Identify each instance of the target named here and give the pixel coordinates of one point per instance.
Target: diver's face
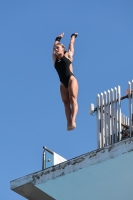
(58, 49)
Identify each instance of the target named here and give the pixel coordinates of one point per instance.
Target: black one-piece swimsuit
(62, 68)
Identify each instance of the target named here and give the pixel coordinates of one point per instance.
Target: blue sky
(31, 111)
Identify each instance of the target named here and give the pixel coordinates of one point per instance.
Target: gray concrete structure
(105, 173)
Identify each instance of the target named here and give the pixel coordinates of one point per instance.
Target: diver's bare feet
(69, 126)
(73, 126)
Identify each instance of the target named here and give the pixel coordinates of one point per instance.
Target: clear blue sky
(31, 111)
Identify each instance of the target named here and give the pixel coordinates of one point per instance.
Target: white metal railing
(110, 120)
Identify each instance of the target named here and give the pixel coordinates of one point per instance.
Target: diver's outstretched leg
(73, 93)
(65, 98)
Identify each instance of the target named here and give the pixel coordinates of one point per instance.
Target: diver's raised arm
(71, 44)
(57, 40)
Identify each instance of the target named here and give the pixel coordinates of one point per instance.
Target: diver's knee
(73, 100)
(66, 103)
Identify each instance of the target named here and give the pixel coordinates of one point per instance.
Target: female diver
(68, 83)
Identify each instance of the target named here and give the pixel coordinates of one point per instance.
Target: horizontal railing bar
(126, 126)
(122, 98)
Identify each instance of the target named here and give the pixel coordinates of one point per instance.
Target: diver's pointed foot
(69, 127)
(73, 125)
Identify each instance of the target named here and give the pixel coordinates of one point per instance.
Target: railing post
(119, 112)
(105, 116)
(98, 122)
(126, 120)
(109, 118)
(116, 113)
(132, 102)
(130, 108)
(112, 113)
(102, 122)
